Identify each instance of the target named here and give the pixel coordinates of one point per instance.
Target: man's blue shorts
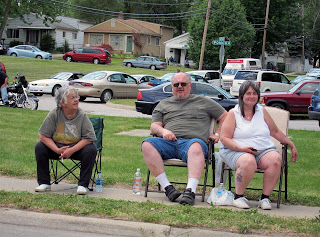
(175, 149)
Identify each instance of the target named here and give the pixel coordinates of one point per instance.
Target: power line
(163, 4)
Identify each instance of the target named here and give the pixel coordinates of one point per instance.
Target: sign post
(222, 43)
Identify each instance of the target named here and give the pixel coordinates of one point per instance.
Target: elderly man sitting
(66, 133)
(181, 124)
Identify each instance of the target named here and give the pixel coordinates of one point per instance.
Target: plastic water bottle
(221, 190)
(99, 182)
(137, 183)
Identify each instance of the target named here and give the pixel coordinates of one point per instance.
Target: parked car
(148, 99)
(88, 54)
(144, 78)
(267, 80)
(167, 78)
(52, 84)
(314, 108)
(107, 85)
(296, 100)
(206, 74)
(28, 51)
(2, 67)
(303, 78)
(145, 62)
(314, 72)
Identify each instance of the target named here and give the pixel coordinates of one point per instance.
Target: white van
(267, 81)
(232, 67)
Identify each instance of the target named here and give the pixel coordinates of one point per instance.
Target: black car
(148, 99)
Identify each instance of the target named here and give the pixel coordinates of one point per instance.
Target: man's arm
(218, 130)
(6, 82)
(158, 129)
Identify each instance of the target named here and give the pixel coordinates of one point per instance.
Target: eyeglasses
(183, 84)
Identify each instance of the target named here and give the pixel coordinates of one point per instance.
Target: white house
(177, 48)
(66, 28)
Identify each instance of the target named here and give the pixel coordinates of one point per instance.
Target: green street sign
(217, 42)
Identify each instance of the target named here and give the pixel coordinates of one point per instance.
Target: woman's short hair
(243, 89)
(62, 95)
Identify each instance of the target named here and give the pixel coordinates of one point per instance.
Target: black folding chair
(98, 126)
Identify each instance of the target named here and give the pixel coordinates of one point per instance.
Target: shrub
(14, 43)
(136, 54)
(64, 48)
(281, 66)
(47, 42)
(107, 47)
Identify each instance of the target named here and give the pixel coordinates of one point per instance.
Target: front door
(129, 46)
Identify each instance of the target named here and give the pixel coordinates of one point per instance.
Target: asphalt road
(94, 106)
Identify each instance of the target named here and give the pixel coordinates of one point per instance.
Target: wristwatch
(217, 134)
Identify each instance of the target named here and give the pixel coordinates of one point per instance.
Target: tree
(227, 19)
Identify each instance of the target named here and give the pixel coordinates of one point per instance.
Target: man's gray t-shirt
(67, 132)
(188, 118)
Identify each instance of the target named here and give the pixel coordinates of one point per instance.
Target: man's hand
(168, 135)
(64, 152)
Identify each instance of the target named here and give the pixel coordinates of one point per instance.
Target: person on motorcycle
(4, 81)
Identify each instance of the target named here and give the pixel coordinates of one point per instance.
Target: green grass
(35, 69)
(180, 216)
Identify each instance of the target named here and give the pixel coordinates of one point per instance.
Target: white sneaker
(81, 190)
(265, 204)
(241, 203)
(43, 188)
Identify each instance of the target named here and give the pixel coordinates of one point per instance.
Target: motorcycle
(18, 94)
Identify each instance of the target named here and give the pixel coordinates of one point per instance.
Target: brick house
(129, 36)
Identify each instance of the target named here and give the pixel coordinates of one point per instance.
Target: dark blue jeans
(86, 155)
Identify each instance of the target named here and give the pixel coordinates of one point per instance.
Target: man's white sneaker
(81, 190)
(241, 203)
(43, 188)
(265, 204)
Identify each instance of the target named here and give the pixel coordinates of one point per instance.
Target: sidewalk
(13, 184)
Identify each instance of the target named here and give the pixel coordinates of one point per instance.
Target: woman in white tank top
(247, 145)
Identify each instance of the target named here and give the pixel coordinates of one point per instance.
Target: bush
(136, 54)
(47, 43)
(14, 43)
(281, 67)
(64, 48)
(107, 47)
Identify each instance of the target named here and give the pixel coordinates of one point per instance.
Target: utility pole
(204, 35)
(265, 33)
(302, 56)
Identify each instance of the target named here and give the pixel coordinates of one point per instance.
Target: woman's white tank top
(253, 133)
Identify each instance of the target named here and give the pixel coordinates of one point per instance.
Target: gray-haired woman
(247, 145)
(66, 133)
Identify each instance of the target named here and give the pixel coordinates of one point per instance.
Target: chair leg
(205, 180)
(147, 184)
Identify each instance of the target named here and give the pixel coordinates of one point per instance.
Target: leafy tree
(14, 8)
(284, 22)
(47, 42)
(227, 19)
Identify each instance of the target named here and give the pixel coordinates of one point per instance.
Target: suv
(88, 54)
(296, 100)
(314, 108)
(267, 80)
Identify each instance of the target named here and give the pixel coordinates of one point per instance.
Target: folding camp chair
(281, 119)
(98, 126)
(179, 163)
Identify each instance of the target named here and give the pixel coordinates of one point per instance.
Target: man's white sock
(163, 180)
(193, 183)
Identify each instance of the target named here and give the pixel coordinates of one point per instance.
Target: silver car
(107, 85)
(145, 62)
(28, 51)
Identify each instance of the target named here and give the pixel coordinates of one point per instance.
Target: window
(74, 35)
(63, 34)
(116, 42)
(115, 78)
(13, 33)
(95, 39)
(309, 88)
(149, 40)
(157, 41)
(113, 23)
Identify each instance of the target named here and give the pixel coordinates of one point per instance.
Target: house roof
(118, 25)
(179, 42)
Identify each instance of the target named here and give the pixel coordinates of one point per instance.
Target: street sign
(217, 42)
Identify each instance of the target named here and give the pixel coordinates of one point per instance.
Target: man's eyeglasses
(183, 84)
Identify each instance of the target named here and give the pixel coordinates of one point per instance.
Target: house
(178, 49)
(129, 36)
(31, 31)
